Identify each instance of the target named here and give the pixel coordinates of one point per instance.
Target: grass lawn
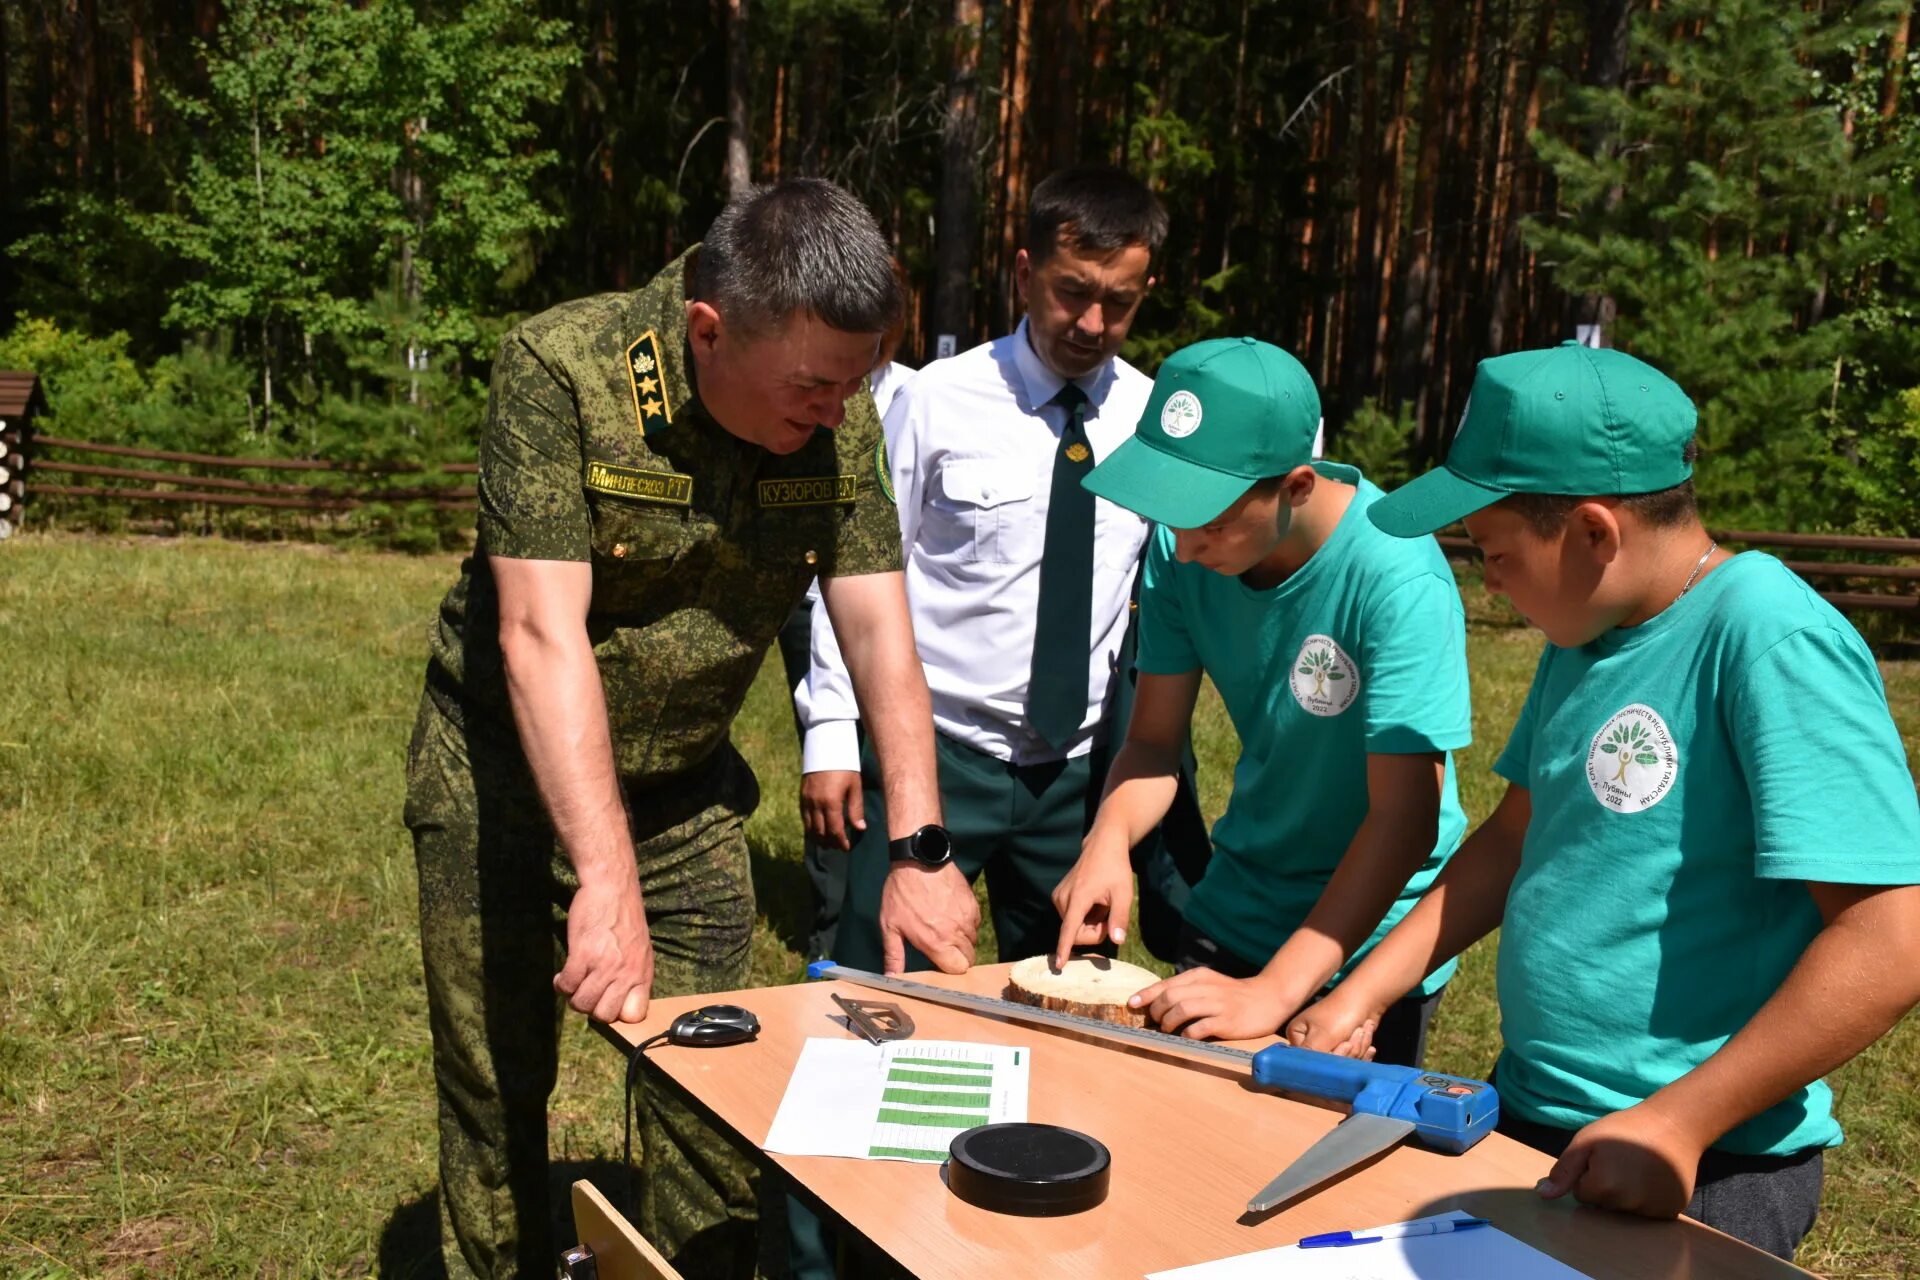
(213, 1043)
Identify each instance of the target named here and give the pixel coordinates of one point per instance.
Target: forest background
(299, 227)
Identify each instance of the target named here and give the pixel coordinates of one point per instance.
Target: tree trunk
(1360, 343)
(1227, 174)
(1609, 28)
(1096, 109)
(1067, 63)
(777, 144)
(6, 119)
(1387, 227)
(142, 105)
(1454, 283)
(739, 76)
(1015, 179)
(1413, 347)
(80, 93)
(1514, 197)
(955, 217)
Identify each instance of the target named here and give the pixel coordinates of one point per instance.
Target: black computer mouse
(713, 1025)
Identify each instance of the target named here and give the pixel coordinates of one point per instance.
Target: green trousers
(1018, 825)
(494, 889)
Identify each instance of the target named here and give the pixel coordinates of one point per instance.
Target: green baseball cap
(1569, 419)
(1223, 414)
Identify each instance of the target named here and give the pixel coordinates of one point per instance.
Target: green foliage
(90, 260)
(368, 176)
(200, 401)
(1378, 442)
(1726, 217)
(1169, 322)
(90, 381)
(1885, 483)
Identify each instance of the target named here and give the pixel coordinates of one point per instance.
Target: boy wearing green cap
(1341, 656)
(1704, 866)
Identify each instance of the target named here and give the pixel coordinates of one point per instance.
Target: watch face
(932, 844)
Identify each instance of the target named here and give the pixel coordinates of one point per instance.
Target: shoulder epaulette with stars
(651, 406)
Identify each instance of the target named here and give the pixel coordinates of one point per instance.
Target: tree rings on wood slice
(1089, 987)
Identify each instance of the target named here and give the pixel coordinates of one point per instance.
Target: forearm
(1857, 978)
(1385, 853)
(1140, 788)
(559, 708)
(1464, 904)
(899, 716)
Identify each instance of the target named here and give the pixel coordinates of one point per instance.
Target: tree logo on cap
(1632, 762)
(1324, 680)
(1180, 415)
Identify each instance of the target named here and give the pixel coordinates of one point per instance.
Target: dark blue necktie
(1062, 632)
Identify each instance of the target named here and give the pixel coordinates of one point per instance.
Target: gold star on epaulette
(643, 360)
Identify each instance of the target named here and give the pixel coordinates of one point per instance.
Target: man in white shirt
(1018, 578)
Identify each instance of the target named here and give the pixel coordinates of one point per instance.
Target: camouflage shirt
(597, 449)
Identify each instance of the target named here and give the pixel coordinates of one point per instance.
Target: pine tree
(1715, 221)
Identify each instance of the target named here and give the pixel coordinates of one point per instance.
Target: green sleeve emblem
(883, 470)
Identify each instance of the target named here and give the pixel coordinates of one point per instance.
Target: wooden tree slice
(1089, 986)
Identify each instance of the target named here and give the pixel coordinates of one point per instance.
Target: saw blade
(1359, 1137)
(1157, 1040)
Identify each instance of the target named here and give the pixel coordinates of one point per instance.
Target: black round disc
(1035, 1170)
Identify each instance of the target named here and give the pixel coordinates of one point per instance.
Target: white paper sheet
(900, 1101)
(1480, 1254)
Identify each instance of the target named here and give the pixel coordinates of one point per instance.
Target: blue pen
(1431, 1227)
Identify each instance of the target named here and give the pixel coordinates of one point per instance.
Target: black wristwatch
(930, 847)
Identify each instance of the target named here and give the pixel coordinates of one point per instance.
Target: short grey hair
(803, 246)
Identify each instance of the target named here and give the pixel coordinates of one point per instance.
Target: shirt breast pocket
(983, 510)
(635, 545)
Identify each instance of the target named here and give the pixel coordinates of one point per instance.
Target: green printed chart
(899, 1101)
(928, 1095)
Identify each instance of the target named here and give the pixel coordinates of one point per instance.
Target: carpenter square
(1388, 1103)
(878, 1021)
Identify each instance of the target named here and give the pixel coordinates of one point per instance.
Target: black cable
(633, 1076)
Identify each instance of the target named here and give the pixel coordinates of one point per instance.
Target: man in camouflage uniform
(654, 499)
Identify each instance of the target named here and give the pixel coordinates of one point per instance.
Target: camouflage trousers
(494, 888)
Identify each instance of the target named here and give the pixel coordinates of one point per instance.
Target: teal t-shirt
(1688, 775)
(1362, 650)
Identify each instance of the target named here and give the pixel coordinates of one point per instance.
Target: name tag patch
(668, 487)
(808, 491)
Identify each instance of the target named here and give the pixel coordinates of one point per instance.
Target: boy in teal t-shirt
(1340, 653)
(1708, 849)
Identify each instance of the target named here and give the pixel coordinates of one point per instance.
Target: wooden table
(1190, 1144)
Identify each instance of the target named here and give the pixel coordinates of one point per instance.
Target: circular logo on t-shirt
(1632, 761)
(1180, 415)
(1324, 680)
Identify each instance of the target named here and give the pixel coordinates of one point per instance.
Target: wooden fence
(1885, 582)
(1846, 584)
(349, 485)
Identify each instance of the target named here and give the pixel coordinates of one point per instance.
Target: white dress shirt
(972, 441)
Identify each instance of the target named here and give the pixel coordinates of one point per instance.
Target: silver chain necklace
(1698, 565)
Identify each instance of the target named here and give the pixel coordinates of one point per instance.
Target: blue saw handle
(1448, 1113)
